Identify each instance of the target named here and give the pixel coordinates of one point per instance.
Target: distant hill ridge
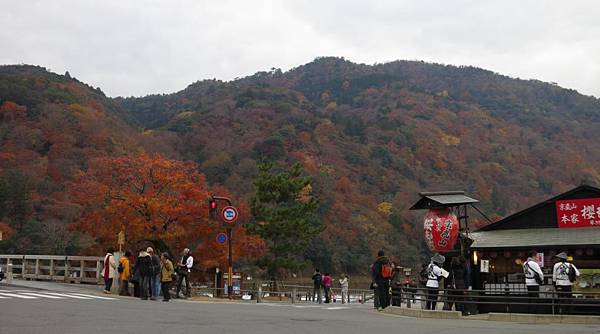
(372, 137)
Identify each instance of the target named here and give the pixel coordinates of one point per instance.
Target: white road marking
(40, 295)
(16, 296)
(65, 295)
(92, 296)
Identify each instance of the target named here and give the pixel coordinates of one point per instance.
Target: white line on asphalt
(16, 296)
(92, 296)
(40, 295)
(2, 297)
(65, 295)
(337, 308)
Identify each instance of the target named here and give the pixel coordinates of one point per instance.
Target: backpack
(424, 275)
(317, 279)
(572, 274)
(386, 270)
(120, 268)
(536, 275)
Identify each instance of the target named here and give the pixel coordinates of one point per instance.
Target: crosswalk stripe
(2, 297)
(92, 296)
(16, 296)
(40, 295)
(65, 295)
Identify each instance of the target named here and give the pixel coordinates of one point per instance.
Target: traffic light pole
(230, 261)
(229, 255)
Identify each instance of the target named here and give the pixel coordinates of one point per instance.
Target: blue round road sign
(221, 238)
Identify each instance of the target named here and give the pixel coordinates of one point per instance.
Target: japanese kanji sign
(578, 212)
(441, 229)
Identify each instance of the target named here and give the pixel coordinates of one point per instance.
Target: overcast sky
(142, 47)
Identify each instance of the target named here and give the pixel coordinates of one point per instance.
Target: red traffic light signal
(213, 211)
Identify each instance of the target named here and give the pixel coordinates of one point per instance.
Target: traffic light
(213, 211)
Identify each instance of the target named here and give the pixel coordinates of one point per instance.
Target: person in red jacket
(327, 286)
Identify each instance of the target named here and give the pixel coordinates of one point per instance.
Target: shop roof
(536, 237)
(442, 199)
(542, 214)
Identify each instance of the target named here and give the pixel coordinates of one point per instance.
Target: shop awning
(443, 199)
(525, 238)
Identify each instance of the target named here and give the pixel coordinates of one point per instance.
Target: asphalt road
(86, 312)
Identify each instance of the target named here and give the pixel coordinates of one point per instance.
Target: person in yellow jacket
(166, 276)
(124, 270)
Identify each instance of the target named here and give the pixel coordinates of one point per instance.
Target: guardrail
(485, 301)
(70, 269)
(286, 293)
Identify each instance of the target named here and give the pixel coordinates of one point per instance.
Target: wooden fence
(69, 269)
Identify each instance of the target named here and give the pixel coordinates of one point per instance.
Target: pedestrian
(534, 277)
(344, 288)
(155, 280)
(564, 274)
(144, 267)
(327, 287)
(124, 270)
(184, 268)
(381, 273)
(166, 278)
(459, 281)
(434, 274)
(109, 270)
(317, 279)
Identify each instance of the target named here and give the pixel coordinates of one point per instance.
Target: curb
(419, 313)
(506, 317)
(545, 318)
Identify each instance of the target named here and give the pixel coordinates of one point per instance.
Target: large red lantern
(441, 229)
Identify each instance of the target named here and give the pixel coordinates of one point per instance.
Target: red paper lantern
(441, 229)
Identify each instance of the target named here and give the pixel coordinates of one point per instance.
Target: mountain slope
(373, 136)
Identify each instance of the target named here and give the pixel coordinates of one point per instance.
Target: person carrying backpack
(434, 274)
(533, 278)
(564, 275)
(317, 279)
(381, 273)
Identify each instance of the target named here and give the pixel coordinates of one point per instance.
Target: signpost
(229, 215)
(121, 240)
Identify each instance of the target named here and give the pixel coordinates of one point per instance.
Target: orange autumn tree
(154, 200)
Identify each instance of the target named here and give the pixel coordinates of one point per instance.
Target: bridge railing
(70, 269)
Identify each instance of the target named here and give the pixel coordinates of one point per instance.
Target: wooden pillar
(37, 268)
(51, 269)
(81, 270)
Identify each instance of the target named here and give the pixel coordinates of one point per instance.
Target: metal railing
(74, 269)
(501, 300)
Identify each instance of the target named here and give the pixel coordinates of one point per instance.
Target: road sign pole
(230, 265)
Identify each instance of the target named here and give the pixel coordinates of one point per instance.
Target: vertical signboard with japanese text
(578, 212)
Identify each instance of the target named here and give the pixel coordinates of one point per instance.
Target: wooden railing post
(81, 270)
(37, 268)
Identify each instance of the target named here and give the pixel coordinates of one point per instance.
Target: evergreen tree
(284, 215)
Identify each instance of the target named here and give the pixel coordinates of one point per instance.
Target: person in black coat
(381, 284)
(144, 266)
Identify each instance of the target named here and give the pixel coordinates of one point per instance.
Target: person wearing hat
(533, 278)
(434, 274)
(563, 276)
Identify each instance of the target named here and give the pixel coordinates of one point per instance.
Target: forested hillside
(371, 136)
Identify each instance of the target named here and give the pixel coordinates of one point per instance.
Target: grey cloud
(141, 47)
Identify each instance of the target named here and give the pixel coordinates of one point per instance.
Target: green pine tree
(284, 215)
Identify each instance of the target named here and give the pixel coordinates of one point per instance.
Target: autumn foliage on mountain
(370, 136)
